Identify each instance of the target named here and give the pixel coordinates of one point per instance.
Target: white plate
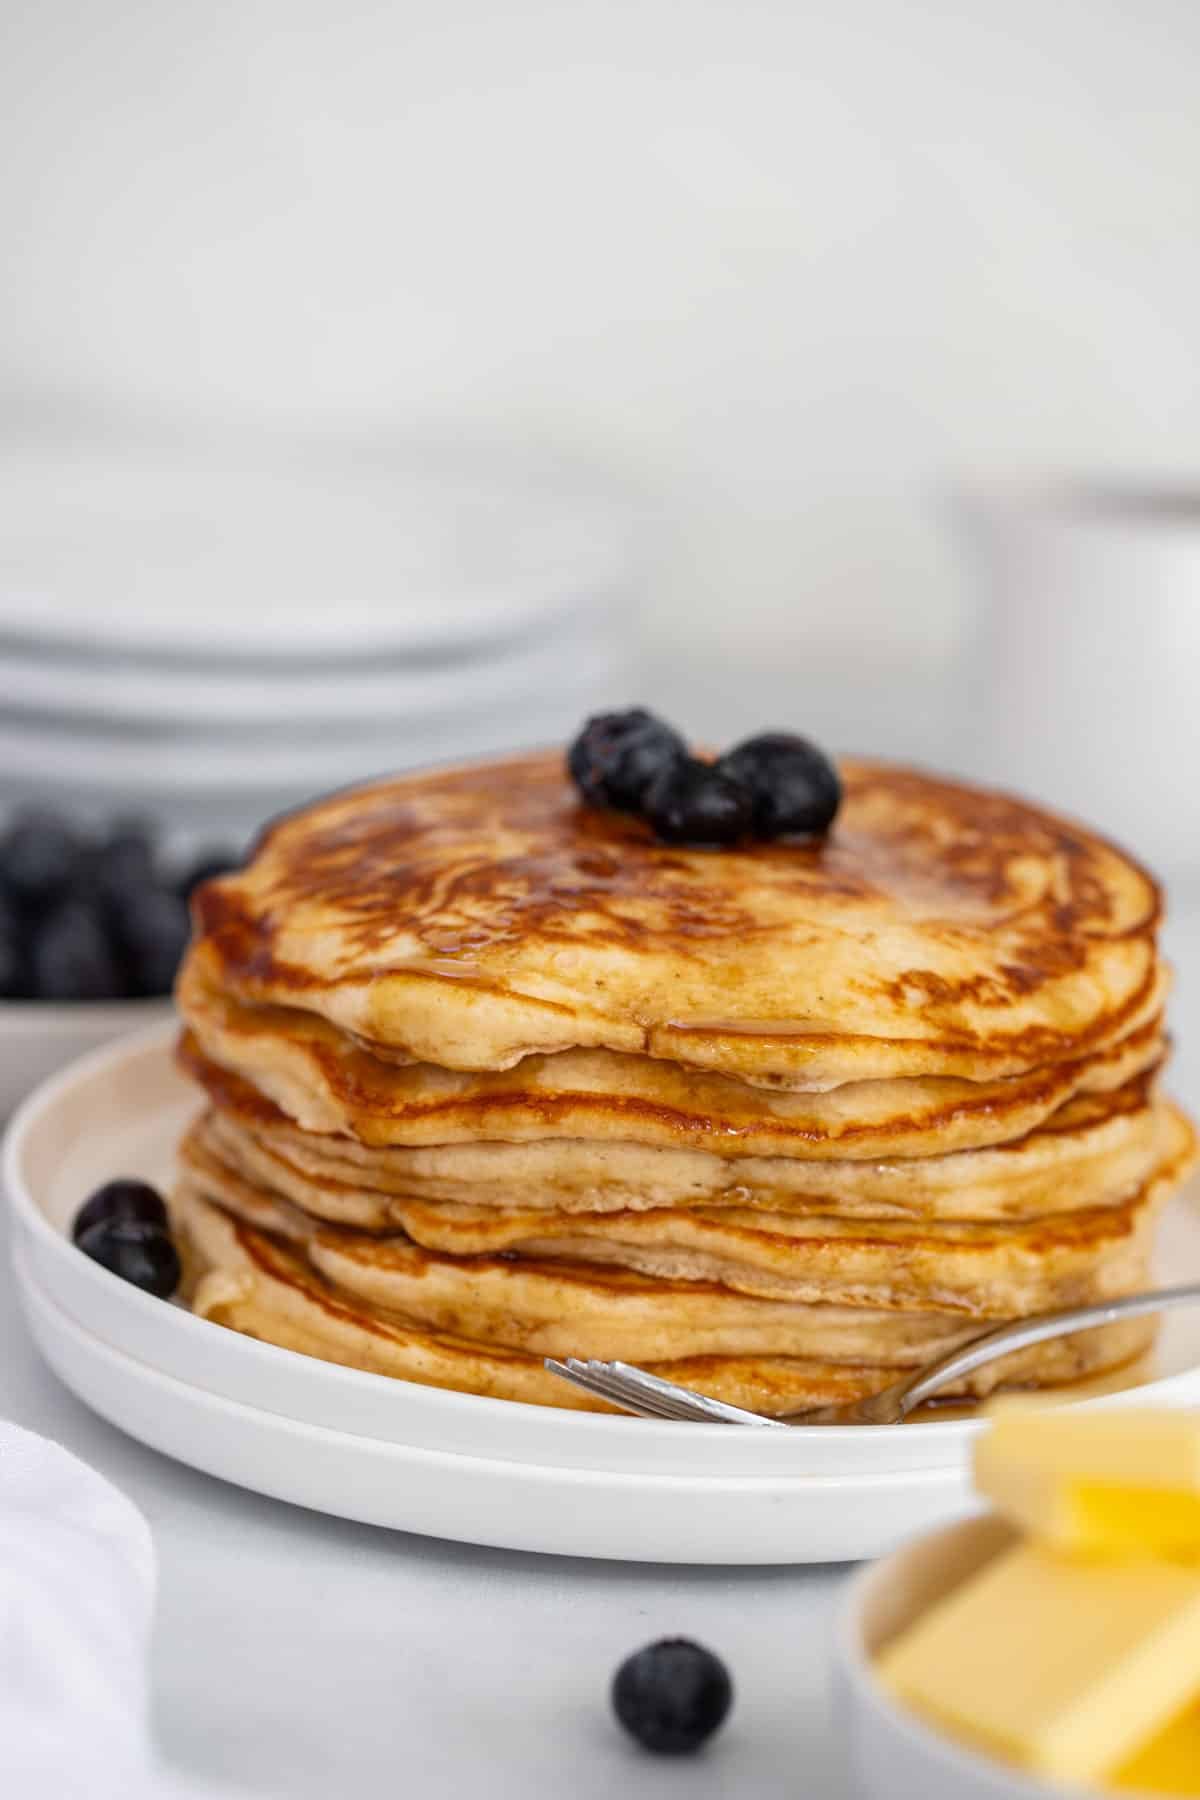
(305, 757)
(124, 692)
(422, 1459)
(172, 554)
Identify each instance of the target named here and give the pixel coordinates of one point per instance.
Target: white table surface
(300, 1656)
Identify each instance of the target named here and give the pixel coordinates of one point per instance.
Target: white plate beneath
(309, 757)
(122, 693)
(446, 1464)
(170, 554)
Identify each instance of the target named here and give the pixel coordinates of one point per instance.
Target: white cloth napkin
(77, 1581)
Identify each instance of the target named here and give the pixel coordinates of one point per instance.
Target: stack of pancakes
(492, 1075)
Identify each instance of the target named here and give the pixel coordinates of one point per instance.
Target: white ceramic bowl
(892, 1754)
(37, 1037)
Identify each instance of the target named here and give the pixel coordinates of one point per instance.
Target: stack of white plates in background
(206, 645)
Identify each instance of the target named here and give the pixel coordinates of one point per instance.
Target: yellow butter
(1060, 1664)
(1168, 1764)
(1105, 1482)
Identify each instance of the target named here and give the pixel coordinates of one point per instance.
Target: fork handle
(1004, 1339)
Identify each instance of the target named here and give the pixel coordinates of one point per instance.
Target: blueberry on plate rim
(140, 1254)
(125, 1198)
(672, 1695)
(123, 1227)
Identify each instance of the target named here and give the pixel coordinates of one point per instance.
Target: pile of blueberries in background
(91, 918)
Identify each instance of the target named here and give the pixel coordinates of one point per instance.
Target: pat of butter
(1062, 1665)
(1168, 1764)
(1101, 1483)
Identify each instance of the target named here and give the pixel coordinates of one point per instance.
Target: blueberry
(206, 867)
(694, 802)
(122, 863)
(153, 927)
(617, 756)
(12, 951)
(672, 1695)
(12, 964)
(126, 1199)
(73, 958)
(137, 1251)
(39, 855)
(793, 786)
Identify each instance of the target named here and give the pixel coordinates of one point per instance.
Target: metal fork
(637, 1391)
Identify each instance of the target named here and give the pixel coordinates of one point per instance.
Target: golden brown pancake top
(470, 917)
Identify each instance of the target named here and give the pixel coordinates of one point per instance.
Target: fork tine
(582, 1377)
(700, 1406)
(638, 1391)
(628, 1401)
(604, 1379)
(631, 1392)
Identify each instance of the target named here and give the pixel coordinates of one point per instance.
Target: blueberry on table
(153, 927)
(694, 802)
(672, 1695)
(39, 855)
(124, 1199)
(617, 756)
(72, 956)
(794, 788)
(139, 1252)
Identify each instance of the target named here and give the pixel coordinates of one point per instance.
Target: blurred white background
(786, 267)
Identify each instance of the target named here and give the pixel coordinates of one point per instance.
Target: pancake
(612, 1312)
(1091, 1152)
(245, 1279)
(327, 1084)
(474, 917)
(458, 1262)
(493, 1075)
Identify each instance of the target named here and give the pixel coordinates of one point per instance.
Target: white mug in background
(1083, 678)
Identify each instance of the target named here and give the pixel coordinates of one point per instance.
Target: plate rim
(158, 1037)
(613, 1515)
(393, 1449)
(924, 1444)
